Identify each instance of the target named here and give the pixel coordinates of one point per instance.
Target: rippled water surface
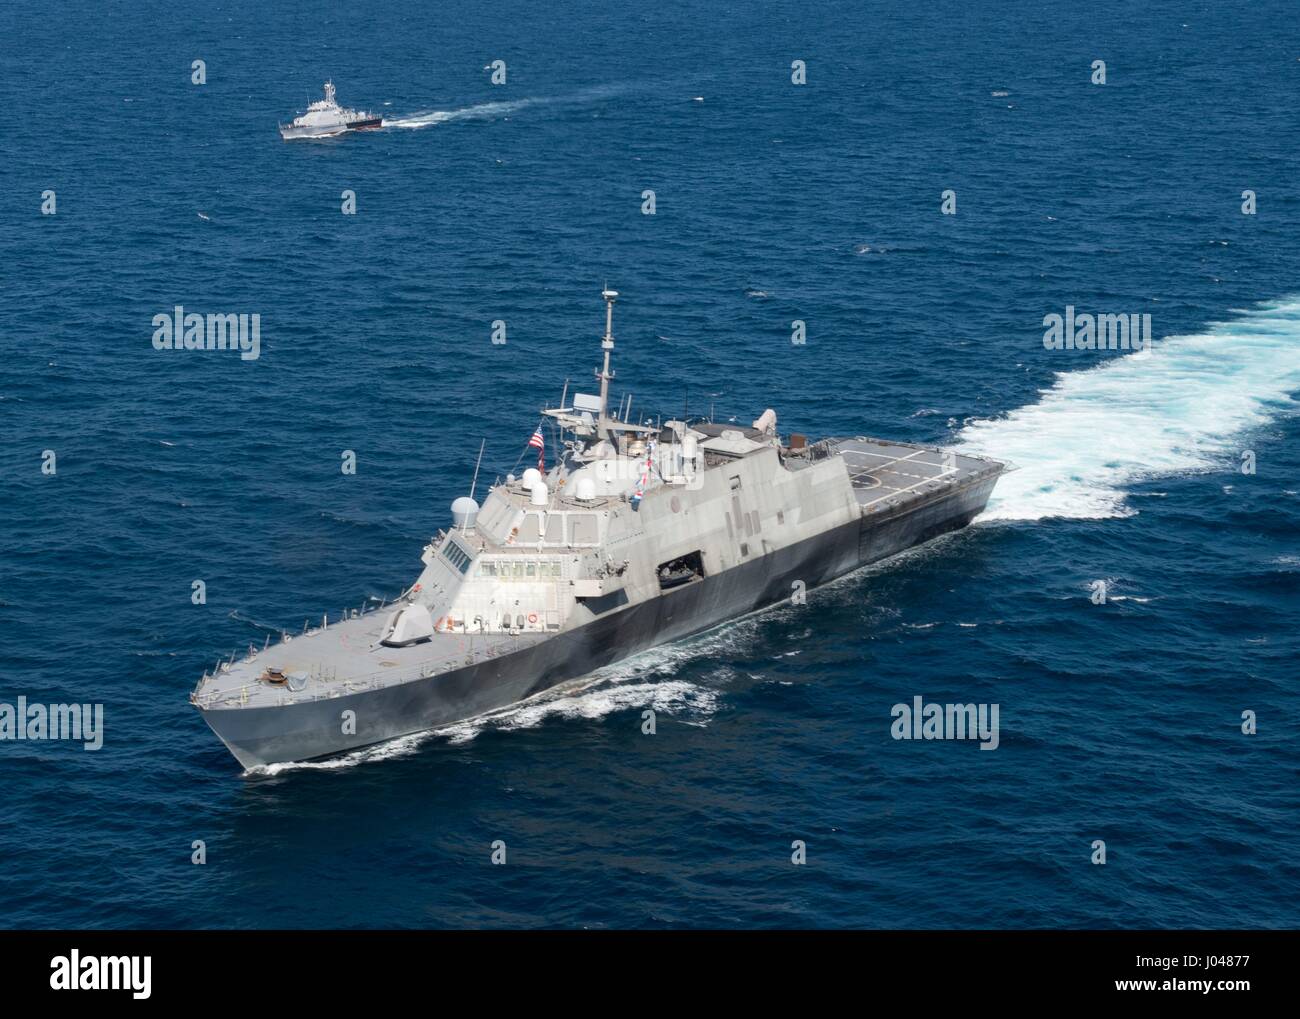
(1119, 722)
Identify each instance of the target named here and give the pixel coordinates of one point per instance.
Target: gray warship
(638, 534)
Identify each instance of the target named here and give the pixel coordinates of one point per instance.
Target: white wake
(482, 111)
(493, 110)
(1185, 405)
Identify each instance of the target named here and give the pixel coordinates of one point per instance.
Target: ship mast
(607, 345)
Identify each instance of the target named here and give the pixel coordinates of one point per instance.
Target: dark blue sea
(774, 202)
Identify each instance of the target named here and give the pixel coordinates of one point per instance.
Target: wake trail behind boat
(482, 111)
(488, 111)
(1177, 408)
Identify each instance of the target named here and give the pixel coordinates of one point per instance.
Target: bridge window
(456, 555)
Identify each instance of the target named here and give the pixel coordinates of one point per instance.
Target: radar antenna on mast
(607, 345)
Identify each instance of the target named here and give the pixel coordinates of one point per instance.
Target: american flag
(539, 444)
(644, 480)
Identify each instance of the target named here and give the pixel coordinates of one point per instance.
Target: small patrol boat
(325, 118)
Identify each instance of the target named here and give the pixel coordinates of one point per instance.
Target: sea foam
(1185, 405)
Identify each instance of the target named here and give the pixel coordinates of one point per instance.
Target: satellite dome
(464, 511)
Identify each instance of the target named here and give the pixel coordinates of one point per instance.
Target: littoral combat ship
(640, 533)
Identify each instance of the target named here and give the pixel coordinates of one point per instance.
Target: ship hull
(265, 735)
(293, 133)
(290, 132)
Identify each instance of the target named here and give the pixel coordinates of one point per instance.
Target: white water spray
(1183, 406)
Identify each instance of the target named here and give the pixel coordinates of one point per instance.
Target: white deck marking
(885, 466)
(857, 470)
(899, 491)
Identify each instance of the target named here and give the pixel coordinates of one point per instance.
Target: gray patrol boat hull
(536, 662)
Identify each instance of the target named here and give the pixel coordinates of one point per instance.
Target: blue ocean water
(774, 202)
